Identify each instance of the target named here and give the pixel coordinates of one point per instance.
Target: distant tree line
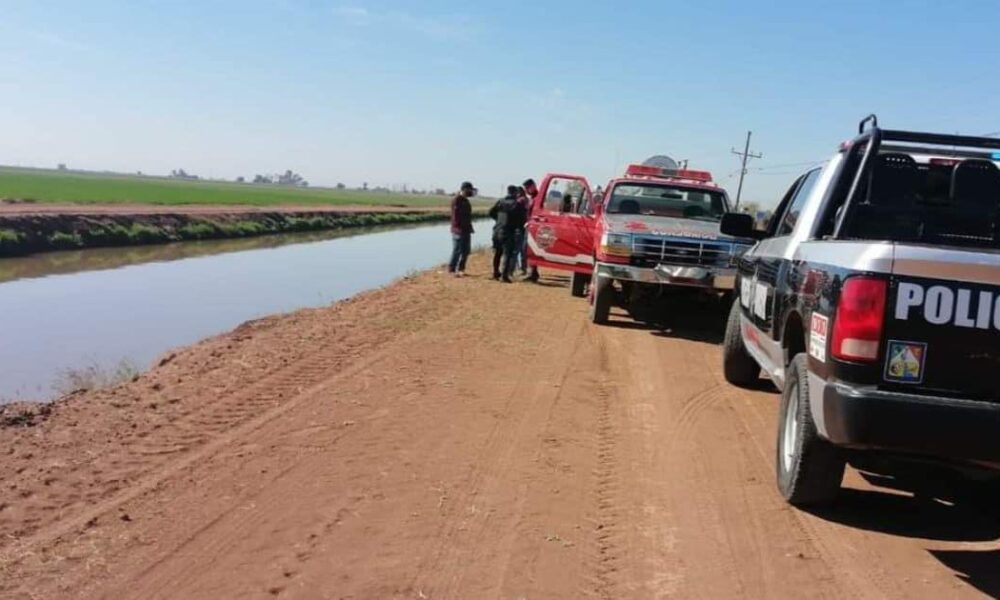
(293, 179)
(182, 174)
(289, 177)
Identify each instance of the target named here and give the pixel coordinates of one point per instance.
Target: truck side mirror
(738, 225)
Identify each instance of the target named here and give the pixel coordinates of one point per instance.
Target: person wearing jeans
(520, 239)
(531, 189)
(461, 229)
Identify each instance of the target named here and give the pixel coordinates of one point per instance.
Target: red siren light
(650, 171)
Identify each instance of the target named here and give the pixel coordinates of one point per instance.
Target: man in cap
(461, 229)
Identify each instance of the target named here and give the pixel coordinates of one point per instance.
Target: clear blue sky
(436, 92)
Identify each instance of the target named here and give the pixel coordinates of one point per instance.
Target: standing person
(510, 215)
(520, 257)
(461, 229)
(532, 190)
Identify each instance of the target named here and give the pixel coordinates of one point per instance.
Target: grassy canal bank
(43, 210)
(22, 234)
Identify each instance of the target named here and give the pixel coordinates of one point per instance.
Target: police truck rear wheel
(809, 468)
(578, 284)
(738, 367)
(600, 306)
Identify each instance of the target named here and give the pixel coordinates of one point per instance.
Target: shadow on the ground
(978, 568)
(554, 281)
(943, 509)
(685, 317)
(911, 517)
(762, 384)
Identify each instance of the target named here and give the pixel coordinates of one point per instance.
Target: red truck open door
(561, 228)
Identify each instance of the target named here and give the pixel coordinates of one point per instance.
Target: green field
(42, 185)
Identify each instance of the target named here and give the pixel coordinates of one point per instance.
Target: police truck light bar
(650, 171)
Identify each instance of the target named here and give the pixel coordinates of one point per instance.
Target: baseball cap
(467, 185)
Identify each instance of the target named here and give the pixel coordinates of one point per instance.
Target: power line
(745, 156)
(787, 165)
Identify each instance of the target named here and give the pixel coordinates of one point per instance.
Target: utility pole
(745, 155)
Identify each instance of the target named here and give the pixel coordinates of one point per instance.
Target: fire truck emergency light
(650, 171)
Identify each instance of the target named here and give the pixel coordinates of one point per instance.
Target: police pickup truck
(873, 303)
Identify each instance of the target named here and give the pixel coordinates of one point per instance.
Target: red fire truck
(651, 228)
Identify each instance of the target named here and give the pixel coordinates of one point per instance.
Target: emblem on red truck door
(545, 236)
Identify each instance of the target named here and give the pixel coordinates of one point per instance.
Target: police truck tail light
(857, 328)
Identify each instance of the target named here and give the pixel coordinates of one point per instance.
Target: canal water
(65, 312)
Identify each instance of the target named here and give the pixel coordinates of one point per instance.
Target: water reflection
(74, 261)
(60, 315)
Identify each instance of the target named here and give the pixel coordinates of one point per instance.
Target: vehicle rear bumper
(701, 277)
(945, 428)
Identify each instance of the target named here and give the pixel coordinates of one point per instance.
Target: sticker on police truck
(818, 328)
(905, 361)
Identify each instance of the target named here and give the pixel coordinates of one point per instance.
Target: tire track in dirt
(525, 414)
(607, 529)
(80, 523)
(259, 396)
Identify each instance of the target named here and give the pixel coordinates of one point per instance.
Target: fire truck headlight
(616, 244)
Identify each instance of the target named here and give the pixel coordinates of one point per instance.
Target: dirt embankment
(450, 438)
(29, 228)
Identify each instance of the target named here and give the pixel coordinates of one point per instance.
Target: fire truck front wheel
(578, 284)
(600, 305)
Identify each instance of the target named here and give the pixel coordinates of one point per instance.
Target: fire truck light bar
(649, 171)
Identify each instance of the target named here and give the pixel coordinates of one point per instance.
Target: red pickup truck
(651, 228)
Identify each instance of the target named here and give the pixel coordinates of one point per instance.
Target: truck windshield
(927, 199)
(666, 200)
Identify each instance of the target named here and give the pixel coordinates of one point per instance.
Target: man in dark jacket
(461, 229)
(510, 216)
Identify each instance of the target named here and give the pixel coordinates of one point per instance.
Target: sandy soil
(447, 438)
(21, 209)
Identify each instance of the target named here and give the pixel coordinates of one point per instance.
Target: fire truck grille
(678, 252)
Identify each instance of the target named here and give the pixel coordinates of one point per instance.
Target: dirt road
(451, 438)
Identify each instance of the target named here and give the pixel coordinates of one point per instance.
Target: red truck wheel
(578, 284)
(600, 307)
